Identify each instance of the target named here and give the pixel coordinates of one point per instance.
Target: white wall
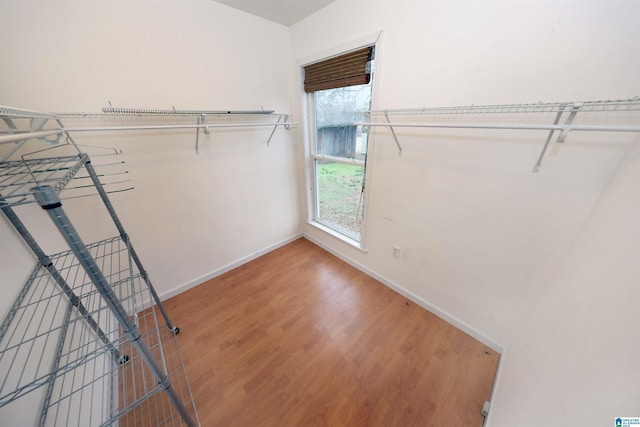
(576, 357)
(185, 219)
(480, 235)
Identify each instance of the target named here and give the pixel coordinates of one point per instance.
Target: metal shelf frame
(87, 328)
(568, 109)
(155, 120)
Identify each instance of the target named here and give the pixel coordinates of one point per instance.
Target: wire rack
(19, 113)
(23, 125)
(130, 116)
(538, 117)
(85, 371)
(87, 334)
(20, 180)
(630, 104)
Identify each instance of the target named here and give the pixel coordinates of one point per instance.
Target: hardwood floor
(299, 338)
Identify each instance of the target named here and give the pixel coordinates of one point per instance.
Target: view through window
(340, 158)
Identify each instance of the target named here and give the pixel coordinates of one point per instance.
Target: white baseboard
(413, 297)
(496, 383)
(410, 295)
(220, 271)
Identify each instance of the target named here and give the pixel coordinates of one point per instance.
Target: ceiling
(286, 12)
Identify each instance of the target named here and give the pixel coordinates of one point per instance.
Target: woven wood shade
(349, 69)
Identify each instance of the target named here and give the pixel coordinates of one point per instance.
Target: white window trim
(375, 40)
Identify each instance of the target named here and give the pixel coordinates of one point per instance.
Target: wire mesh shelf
(631, 104)
(91, 378)
(156, 112)
(20, 180)
(129, 119)
(19, 113)
(83, 338)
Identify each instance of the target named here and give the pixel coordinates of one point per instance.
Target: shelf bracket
(565, 131)
(36, 125)
(202, 118)
(276, 127)
(198, 122)
(18, 144)
(393, 132)
(536, 167)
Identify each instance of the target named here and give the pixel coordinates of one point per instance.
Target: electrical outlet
(395, 252)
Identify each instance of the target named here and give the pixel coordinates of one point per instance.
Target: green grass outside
(339, 191)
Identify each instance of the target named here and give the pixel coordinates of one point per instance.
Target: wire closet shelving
(132, 119)
(87, 336)
(493, 117)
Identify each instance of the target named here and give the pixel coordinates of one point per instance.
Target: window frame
(373, 40)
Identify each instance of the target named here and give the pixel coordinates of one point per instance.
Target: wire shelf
(90, 380)
(20, 179)
(113, 113)
(631, 104)
(19, 113)
(154, 112)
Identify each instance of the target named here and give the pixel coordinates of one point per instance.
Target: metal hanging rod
(111, 112)
(23, 135)
(599, 128)
(145, 112)
(572, 108)
(631, 104)
(19, 136)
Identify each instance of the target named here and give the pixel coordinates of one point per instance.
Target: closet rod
(28, 135)
(144, 112)
(601, 128)
(616, 105)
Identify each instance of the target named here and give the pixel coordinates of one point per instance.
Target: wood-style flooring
(297, 337)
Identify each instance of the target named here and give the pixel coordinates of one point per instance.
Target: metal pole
(125, 237)
(536, 167)
(274, 130)
(50, 202)
(197, 136)
(46, 262)
(393, 132)
(597, 128)
(28, 135)
(55, 366)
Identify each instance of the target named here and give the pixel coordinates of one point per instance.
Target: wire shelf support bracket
(560, 108)
(171, 118)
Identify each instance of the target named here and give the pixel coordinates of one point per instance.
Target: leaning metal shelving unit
(87, 334)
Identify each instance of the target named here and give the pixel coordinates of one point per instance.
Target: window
(338, 89)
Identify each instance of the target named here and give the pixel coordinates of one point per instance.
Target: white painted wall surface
(189, 214)
(482, 237)
(575, 361)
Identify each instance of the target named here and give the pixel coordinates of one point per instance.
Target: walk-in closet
(323, 213)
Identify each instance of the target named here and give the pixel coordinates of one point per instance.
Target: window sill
(346, 239)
